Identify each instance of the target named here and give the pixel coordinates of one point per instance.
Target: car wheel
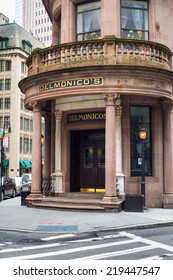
(2, 195)
(13, 193)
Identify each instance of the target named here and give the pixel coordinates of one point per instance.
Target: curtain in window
(138, 18)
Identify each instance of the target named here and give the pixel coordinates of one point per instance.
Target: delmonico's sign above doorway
(83, 117)
(70, 83)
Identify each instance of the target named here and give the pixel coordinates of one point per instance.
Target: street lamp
(142, 136)
(6, 128)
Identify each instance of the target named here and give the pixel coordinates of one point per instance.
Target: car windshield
(26, 177)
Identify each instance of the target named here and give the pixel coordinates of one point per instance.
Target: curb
(119, 228)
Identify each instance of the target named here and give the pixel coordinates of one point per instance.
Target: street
(143, 244)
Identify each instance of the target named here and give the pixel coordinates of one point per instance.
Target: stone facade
(108, 75)
(15, 112)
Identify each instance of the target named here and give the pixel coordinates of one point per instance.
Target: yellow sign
(96, 116)
(96, 81)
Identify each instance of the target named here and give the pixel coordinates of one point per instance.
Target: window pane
(140, 118)
(8, 65)
(1, 65)
(135, 4)
(88, 155)
(88, 21)
(134, 19)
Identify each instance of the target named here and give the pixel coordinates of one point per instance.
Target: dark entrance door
(88, 160)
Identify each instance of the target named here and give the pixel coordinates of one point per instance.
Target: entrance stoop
(74, 202)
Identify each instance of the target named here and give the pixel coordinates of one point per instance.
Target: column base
(168, 200)
(33, 197)
(58, 182)
(112, 204)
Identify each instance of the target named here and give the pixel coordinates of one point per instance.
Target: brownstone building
(107, 75)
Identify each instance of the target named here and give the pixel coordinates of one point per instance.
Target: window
(26, 124)
(31, 125)
(27, 46)
(1, 122)
(21, 104)
(1, 65)
(7, 84)
(25, 145)
(1, 103)
(88, 21)
(30, 146)
(21, 144)
(21, 123)
(8, 65)
(7, 103)
(1, 84)
(134, 19)
(140, 117)
(3, 42)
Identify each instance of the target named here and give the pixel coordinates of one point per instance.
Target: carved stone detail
(118, 110)
(110, 99)
(58, 115)
(35, 106)
(167, 105)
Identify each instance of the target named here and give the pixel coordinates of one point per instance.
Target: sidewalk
(15, 217)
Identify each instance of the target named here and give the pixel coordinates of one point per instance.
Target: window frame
(135, 32)
(95, 33)
(136, 145)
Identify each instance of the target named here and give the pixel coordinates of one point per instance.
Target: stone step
(63, 206)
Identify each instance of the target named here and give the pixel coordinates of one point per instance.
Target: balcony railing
(107, 51)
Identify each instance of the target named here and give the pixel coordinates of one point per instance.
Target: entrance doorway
(88, 161)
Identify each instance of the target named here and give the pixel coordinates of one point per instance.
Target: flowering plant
(134, 34)
(92, 36)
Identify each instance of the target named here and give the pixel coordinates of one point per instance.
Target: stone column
(36, 150)
(168, 153)
(47, 141)
(110, 198)
(58, 172)
(119, 169)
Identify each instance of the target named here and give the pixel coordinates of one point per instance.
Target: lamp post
(142, 136)
(5, 126)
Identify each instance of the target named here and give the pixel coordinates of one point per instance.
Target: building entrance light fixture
(143, 136)
(6, 129)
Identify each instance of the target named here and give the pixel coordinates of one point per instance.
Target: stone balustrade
(107, 51)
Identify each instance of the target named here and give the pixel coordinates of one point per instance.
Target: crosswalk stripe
(57, 237)
(68, 251)
(117, 253)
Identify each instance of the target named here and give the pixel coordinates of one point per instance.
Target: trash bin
(23, 197)
(134, 203)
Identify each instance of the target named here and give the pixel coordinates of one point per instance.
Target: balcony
(107, 51)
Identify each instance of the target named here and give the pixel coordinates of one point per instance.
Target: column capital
(35, 106)
(110, 99)
(118, 110)
(58, 115)
(167, 105)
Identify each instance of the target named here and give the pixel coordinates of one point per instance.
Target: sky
(7, 7)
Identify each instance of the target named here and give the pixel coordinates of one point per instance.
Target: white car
(18, 182)
(26, 182)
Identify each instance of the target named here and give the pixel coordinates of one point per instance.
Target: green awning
(6, 162)
(27, 163)
(22, 163)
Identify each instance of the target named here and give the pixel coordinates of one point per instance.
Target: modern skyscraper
(32, 16)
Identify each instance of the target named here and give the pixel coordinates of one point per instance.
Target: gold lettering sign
(82, 117)
(96, 81)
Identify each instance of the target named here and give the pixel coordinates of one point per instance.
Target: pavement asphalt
(16, 217)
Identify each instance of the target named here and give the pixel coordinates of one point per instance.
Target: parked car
(8, 188)
(26, 182)
(18, 182)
